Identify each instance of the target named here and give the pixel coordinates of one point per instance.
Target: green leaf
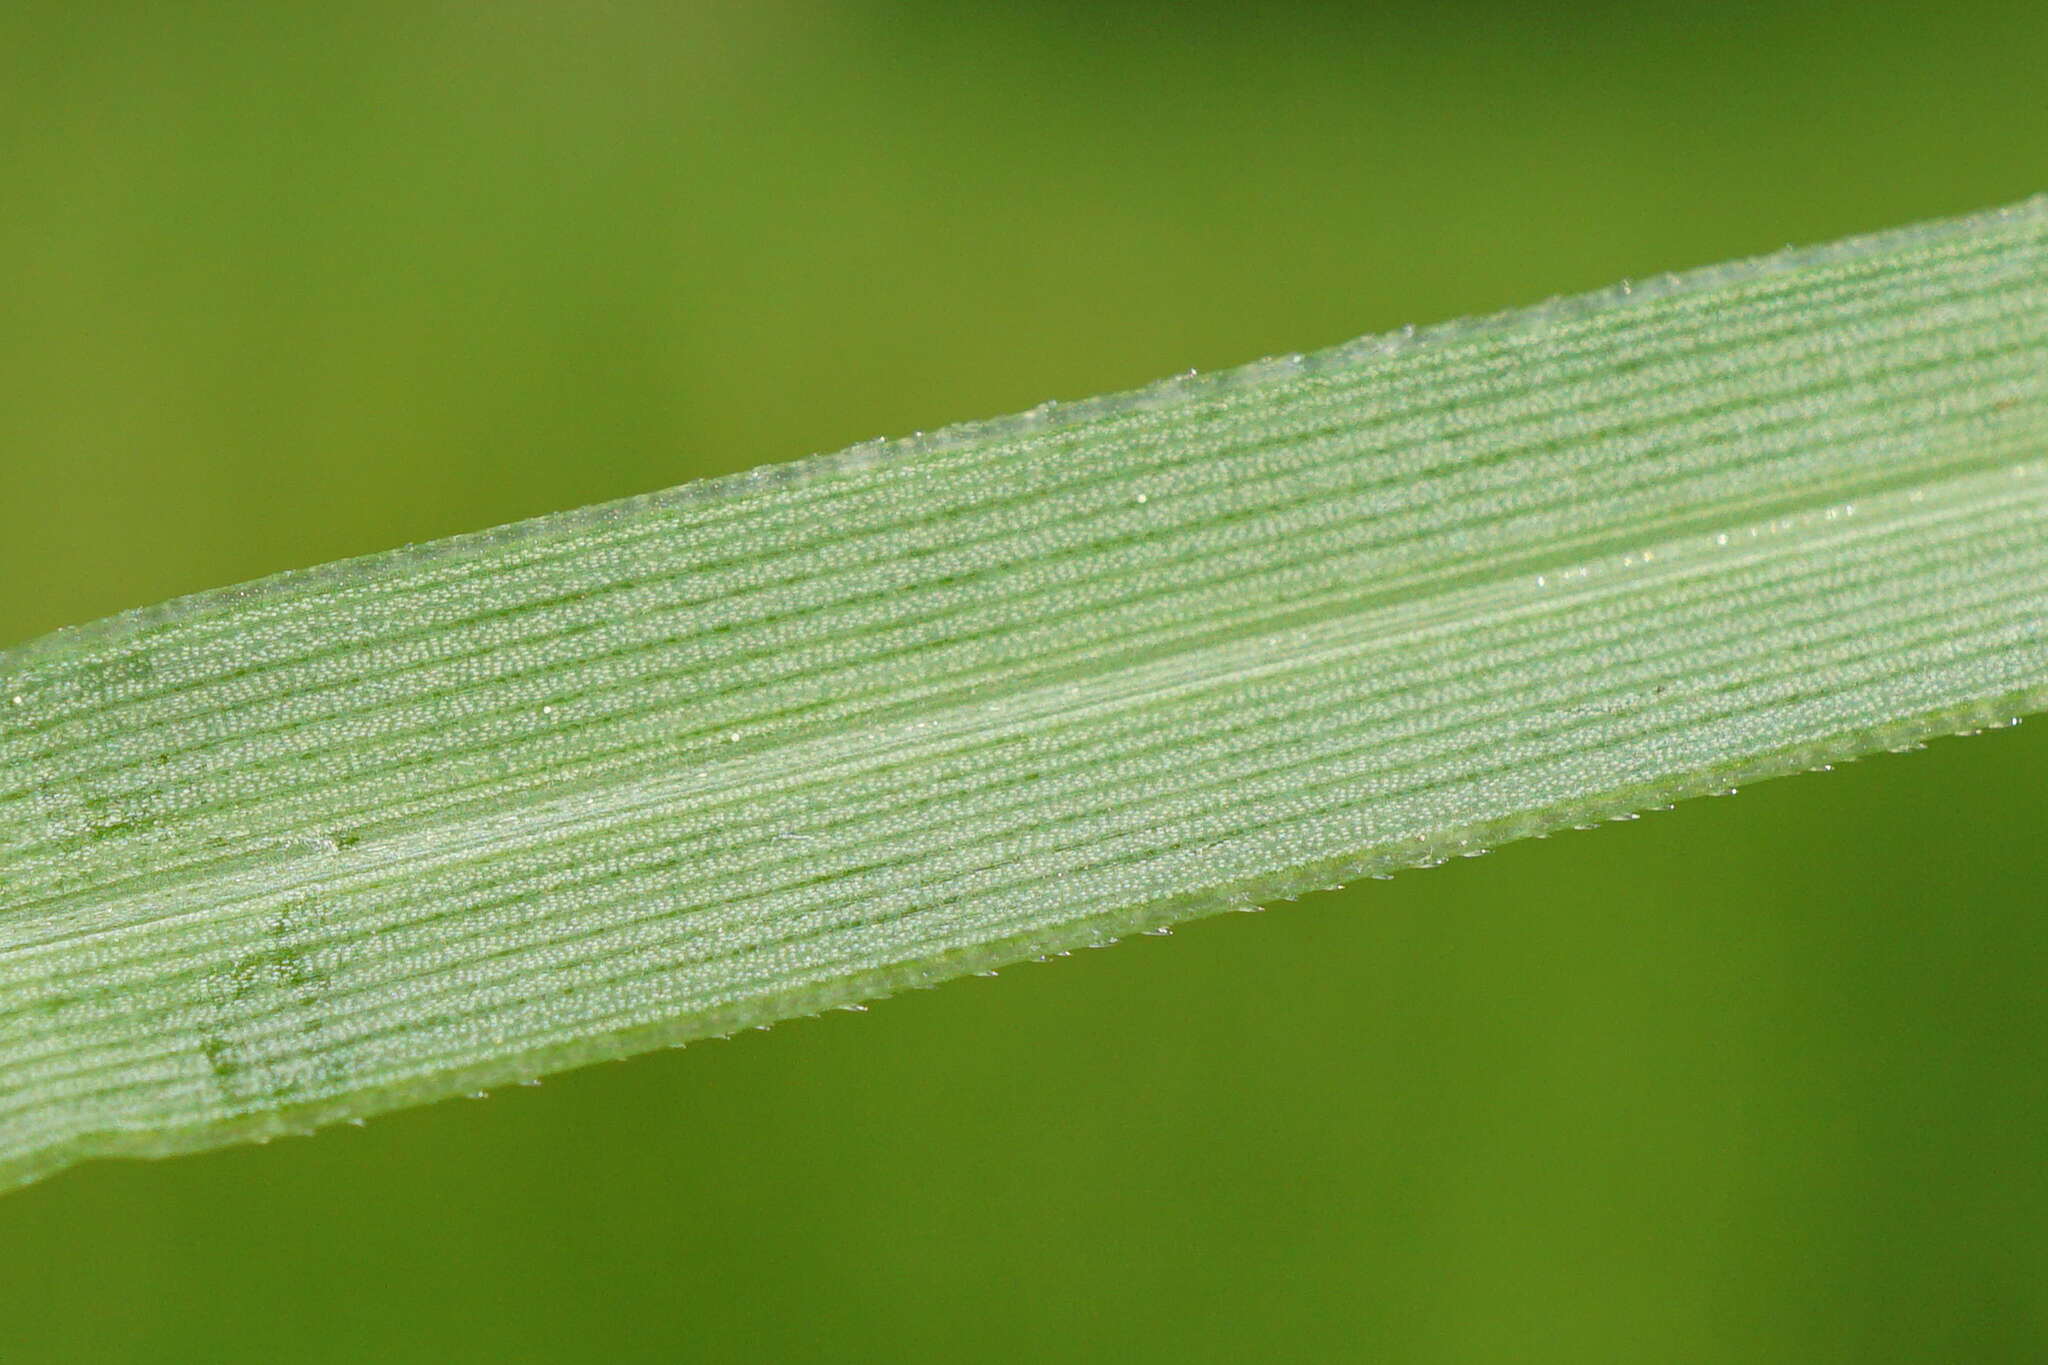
(417, 824)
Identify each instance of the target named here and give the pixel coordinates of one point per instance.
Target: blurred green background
(1760, 1079)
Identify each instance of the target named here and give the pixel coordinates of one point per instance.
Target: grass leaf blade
(426, 822)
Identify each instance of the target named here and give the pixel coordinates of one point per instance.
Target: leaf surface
(412, 825)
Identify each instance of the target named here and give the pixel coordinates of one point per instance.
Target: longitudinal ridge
(401, 827)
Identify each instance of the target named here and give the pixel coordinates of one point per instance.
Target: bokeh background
(1760, 1079)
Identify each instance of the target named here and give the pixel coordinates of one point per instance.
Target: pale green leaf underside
(441, 819)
